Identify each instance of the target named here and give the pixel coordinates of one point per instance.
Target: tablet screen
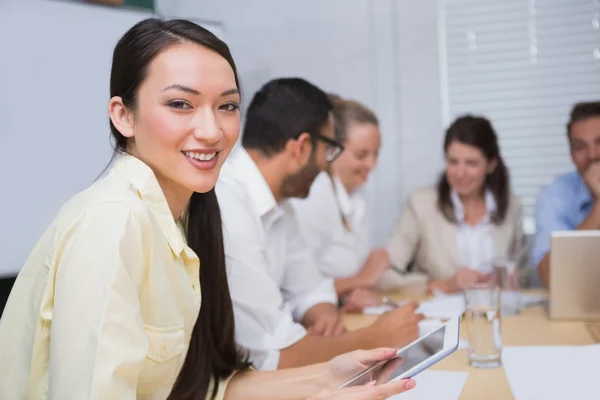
(406, 359)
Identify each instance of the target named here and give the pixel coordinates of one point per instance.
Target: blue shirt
(561, 206)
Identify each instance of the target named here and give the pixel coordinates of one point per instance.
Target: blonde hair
(346, 112)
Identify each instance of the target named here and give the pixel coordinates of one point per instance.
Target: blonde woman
(334, 218)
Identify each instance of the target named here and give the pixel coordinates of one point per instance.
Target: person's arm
(316, 349)
(406, 237)
(310, 294)
(549, 217)
(344, 286)
(393, 329)
(305, 382)
(98, 343)
(293, 383)
(324, 319)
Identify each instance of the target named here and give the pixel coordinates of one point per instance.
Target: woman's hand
(461, 280)
(359, 299)
(366, 392)
(324, 319)
(346, 366)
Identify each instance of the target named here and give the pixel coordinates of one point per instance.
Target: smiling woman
(112, 302)
(455, 231)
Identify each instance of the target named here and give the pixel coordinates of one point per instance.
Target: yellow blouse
(105, 305)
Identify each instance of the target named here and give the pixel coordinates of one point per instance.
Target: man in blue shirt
(570, 202)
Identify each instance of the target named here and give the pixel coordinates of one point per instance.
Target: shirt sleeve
(98, 343)
(548, 218)
(318, 218)
(263, 322)
(406, 237)
(518, 245)
(304, 286)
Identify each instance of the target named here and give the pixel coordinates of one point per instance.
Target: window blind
(522, 64)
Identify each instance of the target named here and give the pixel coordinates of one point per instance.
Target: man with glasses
(285, 310)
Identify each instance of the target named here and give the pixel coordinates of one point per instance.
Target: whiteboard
(54, 133)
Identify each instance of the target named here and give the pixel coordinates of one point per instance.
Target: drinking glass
(483, 322)
(506, 277)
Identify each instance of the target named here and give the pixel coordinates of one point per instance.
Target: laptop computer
(575, 275)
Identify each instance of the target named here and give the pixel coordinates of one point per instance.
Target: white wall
(54, 136)
(382, 53)
(421, 128)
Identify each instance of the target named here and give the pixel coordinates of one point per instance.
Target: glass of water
(506, 276)
(483, 318)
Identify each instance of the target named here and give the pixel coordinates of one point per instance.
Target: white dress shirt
(272, 277)
(340, 250)
(475, 243)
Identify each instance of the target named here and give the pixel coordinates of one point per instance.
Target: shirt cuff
(322, 293)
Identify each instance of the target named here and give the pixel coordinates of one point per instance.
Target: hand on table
(327, 324)
(359, 299)
(461, 280)
(398, 327)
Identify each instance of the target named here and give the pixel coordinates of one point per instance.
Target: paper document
(439, 307)
(443, 306)
(552, 372)
(446, 306)
(435, 385)
(429, 325)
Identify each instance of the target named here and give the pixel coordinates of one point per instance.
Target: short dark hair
(477, 132)
(282, 110)
(583, 111)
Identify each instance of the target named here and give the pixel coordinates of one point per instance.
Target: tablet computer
(413, 358)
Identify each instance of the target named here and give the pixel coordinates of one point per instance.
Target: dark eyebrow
(183, 88)
(177, 86)
(230, 92)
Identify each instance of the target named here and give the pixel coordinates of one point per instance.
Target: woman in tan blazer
(453, 232)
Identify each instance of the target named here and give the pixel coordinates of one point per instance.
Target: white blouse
(340, 251)
(475, 243)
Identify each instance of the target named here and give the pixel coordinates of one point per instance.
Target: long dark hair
(212, 352)
(477, 132)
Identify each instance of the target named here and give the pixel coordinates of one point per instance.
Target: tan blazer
(424, 236)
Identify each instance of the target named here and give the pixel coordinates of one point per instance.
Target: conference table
(531, 327)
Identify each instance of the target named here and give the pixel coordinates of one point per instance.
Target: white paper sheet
(444, 306)
(429, 325)
(552, 372)
(435, 385)
(439, 307)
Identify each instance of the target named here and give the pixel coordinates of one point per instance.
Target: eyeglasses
(334, 148)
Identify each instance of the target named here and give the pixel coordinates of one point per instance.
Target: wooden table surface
(530, 328)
